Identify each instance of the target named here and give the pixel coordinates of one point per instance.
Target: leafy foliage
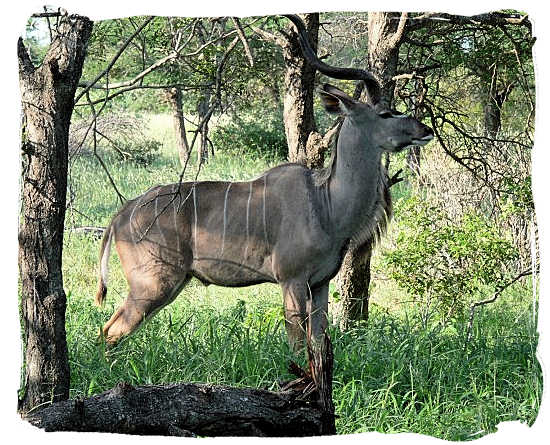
(447, 263)
(255, 132)
(519, 197)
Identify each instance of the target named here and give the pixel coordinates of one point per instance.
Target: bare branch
(173, 55)
(240, 32)
(49, 14)
(269, 37)
(499, 291)
(184, 87)
(491, 18)
(95, 114)
(416, 72)
(49, 24)
(396, 178)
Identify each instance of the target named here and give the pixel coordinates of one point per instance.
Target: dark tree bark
(47, 99)
(174, 98)
(413, 155)
(413, 160)
(385, 34)
(353, 285)
(203, 107)
(493, 99)
(187, 409)
(299, 84)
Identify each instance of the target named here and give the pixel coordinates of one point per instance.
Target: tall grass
(392, 374)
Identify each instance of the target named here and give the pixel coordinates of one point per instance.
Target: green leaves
(444, 263)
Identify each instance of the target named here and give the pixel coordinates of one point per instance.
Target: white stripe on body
(225, 217)
(247, 221)
(174, 190)
(132, 230)
(157, 218)
(264, 215)
(195, 230)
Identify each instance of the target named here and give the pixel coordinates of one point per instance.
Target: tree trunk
(493, 100)
(413, 160)
(413, 155)
(174, 97)
(187, 409)
(202, 111)
(298, 102)
(47, 100)
(353, 285)
(384, 40)
(353, 279)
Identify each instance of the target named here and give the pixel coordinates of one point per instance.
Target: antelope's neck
(354, 182)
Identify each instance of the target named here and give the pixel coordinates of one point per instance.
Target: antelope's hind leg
(141, 304)
(154, 283)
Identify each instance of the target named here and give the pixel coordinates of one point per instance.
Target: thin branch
(499, 291)
(96, 154)
(416, 72)
(395, 179)
(49, 25)
(88, 85)
(174, 54)
(491, 18)
(184, 87)
(49, 14)
(241, 35)
(122, 153)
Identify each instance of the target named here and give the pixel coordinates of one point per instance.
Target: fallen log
(187, 409)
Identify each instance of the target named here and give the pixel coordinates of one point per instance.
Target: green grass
(392, 374)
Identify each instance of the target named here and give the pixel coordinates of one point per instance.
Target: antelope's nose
(428, 133)
(427, 130)
(425, 135)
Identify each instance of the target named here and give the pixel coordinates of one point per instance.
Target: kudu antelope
(291, 225)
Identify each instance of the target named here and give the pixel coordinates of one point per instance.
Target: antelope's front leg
(295, 296)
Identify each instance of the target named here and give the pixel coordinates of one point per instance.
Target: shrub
(255, 132)
(122, 134)
(447, 264)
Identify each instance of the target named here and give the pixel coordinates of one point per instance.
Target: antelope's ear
(336, 101)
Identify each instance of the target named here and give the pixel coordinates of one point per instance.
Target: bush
(141, 151)
(447, 264)
(254, 132)
(123, 134)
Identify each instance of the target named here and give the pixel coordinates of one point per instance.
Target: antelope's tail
(104, 253)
